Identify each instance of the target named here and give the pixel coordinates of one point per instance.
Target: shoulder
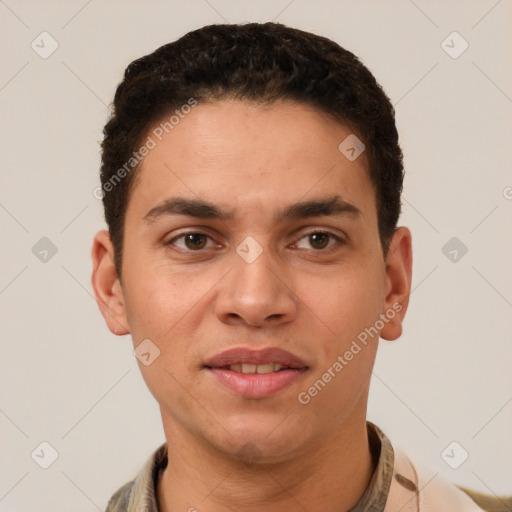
(415, 488)
(140, 493)
(119, 501)
(489, 503)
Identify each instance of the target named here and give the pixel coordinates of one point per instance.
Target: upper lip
(243, 355)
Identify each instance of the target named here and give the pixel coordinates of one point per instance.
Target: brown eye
(192, 241)
(195, 241)
(319, 240)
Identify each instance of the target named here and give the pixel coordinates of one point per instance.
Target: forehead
(248, 155)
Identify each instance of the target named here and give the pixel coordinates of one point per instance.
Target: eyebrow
(330, 206)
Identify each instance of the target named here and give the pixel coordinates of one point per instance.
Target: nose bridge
(256, 289)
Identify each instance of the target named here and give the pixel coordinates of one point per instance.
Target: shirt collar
(140, 495)
(376, 494)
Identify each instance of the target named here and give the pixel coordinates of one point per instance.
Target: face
(252, 262)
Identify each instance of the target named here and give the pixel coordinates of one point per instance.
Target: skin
(254, 161)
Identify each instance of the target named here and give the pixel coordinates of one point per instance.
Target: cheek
(345, 305)
(170, 307)
(156, 301)
(160, 307)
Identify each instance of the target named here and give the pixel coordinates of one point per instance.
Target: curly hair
(262, 62)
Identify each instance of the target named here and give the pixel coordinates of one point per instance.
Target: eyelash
(339, 241)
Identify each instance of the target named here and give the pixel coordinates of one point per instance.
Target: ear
(106, 284)
(398, 277)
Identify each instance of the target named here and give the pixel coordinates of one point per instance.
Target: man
(251, 179)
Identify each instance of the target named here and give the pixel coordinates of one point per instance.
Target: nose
(256, 294)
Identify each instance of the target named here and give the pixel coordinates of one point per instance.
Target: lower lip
(256, 385)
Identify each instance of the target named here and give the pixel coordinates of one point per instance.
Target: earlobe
(106, 284)
(398, 276)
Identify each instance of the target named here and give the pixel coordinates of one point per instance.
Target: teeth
(260, 369)
(249, 368)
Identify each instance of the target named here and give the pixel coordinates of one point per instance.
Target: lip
(256, 386)
(243, 355)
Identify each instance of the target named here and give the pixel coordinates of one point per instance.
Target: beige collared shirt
(139, 495)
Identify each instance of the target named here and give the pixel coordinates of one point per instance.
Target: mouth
(256, 374)
(252, 369)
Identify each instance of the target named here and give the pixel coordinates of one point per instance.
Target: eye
(318, 240)
(192, 241)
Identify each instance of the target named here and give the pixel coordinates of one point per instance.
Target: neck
(332, 474)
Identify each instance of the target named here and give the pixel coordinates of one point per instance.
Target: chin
(256, 439)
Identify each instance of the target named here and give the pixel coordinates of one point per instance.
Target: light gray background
(67, 381)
